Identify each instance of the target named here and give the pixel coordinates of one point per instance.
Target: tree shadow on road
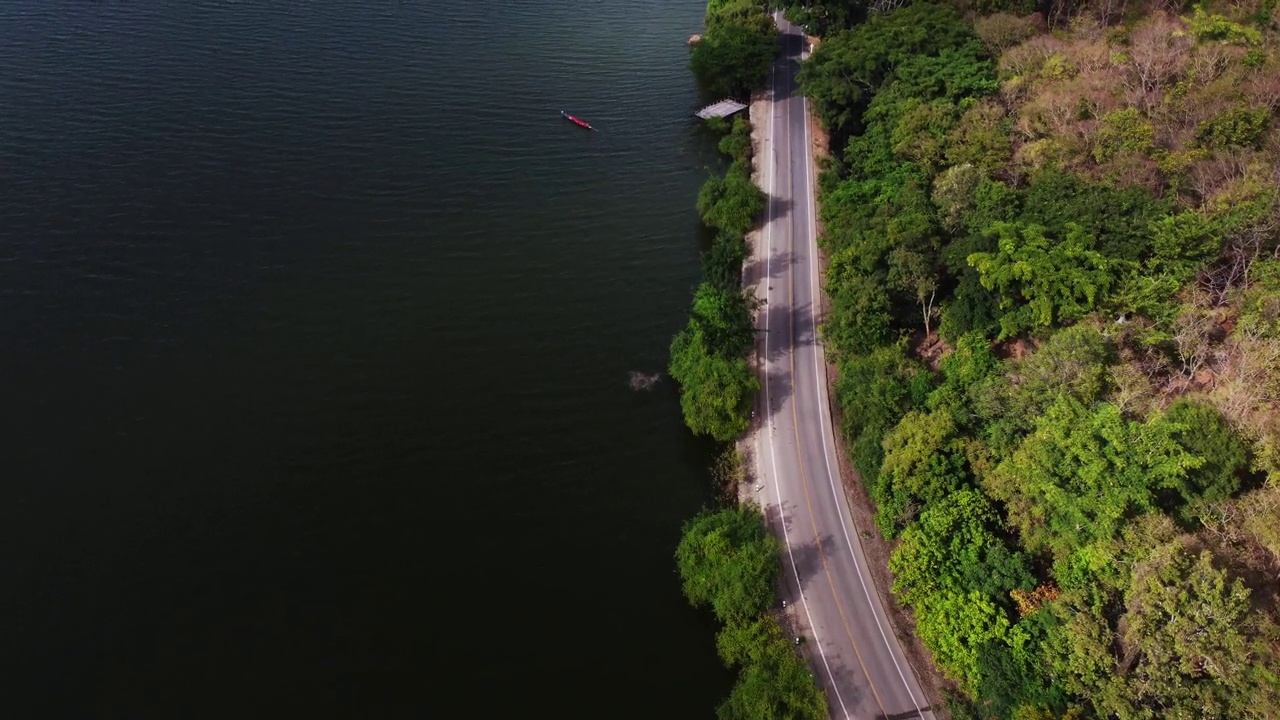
(772, 268)
(807, 558)
(778, 384)
(786, 327)
(778, 208)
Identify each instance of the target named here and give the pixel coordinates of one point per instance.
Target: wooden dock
(724, 108)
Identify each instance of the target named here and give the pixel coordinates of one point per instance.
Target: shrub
(727, 560)
(1240, 127)
(1123, 131)
(731, 203)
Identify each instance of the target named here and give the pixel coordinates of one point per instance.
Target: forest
(1054, 301)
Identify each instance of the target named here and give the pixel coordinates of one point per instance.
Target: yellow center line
(804, 476)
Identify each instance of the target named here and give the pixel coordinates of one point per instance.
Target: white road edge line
(773, 456)
(823, 414)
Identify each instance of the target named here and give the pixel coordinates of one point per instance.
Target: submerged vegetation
(1054, 289)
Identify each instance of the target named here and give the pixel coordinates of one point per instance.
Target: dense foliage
(717, 387)
(727, 559)
(1055, 308)
(735, 54)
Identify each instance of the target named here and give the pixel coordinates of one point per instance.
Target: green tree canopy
(724, 318)
(1205, 433)
(922, 461)
(848, 66)
(824, 17)
(954, 547)
(727, 561)
(734, 58)
(732, 203)
(1082, 474)
(775, 684)
(1040, 281)
(716, 391)
(875, 390)
(1179, 649)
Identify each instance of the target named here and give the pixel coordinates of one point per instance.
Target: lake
(318, 322)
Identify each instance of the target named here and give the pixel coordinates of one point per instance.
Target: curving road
(848, 638)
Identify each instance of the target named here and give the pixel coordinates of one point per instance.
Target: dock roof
(724, 108)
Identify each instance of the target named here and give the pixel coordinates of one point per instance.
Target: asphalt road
(846, 634)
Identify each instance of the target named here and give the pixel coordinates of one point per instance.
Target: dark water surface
(317, 322)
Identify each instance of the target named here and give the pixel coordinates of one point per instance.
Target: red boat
(576, 121)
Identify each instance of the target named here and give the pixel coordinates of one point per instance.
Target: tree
(917, 271)
(874, 391)
(957, 574)
(859, 320)
(722, 264)
(727, 561)
(981, 138)
(1181, 243)
(1072, 364)
(724, 318)
(954, 193)
(775, 682)
(1179, 648)
(1058, 281)
(1205, 433)
(921, 132)
(737, 142)
(1184, 628)
(825, 17)
(733, 59)
(954, 547)
(1002, 30)
(848, 66)
(956, 626)
(1118, 218)
(732, 203)
(1082, 474)
(921, 462)
(715, 391)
